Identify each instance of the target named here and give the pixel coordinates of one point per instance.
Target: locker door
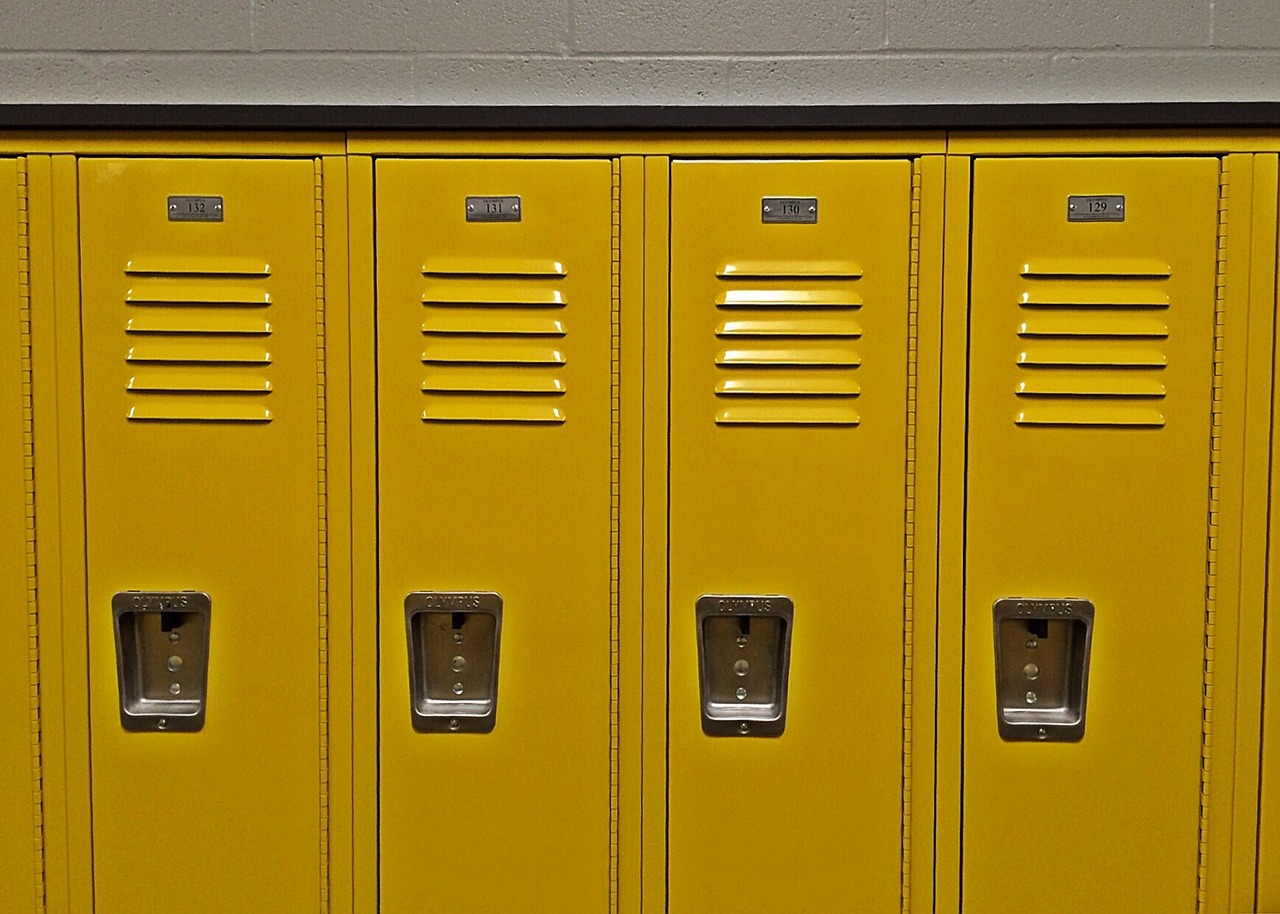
(1091, 373)
(494, 434)
(788, 487)
(18, 860)
(204, 411)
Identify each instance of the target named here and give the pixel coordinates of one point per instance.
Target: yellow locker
(789, 480)
(1090, 433)
(1268, 874)
(496, 302)
(1268, 883)
(21, 865)
(205, 400)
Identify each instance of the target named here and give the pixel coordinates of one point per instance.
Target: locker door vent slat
(1125, 268)
(214, 267)
(198, 340)
(487, 268)
(1093, 343)
(787, 355)
(493, 341)
(790, 269)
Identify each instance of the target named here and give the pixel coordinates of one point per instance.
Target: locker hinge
(1211, 566)
(615, 512)
(322, 522)
(908, 593)
(29, 485)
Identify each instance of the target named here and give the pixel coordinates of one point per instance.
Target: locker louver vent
(493, 334)
(198, 333)
(786, 335)
(1093, 343)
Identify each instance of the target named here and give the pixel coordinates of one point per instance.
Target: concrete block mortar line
(570, 29)
(641, 57)
(1171, 54)
(114, 55)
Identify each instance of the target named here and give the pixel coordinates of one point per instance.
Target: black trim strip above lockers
(1122, 115)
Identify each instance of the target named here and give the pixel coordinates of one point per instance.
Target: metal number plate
(493, 209)
(195, 209)
(789, 209)
(1095, 209)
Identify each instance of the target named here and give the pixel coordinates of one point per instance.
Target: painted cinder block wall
(637, 51)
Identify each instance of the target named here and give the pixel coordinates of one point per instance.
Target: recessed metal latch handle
(744, 652)
(1042, 667)
(453, 660)
(162, 658)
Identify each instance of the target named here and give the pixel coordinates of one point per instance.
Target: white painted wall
(638, 51)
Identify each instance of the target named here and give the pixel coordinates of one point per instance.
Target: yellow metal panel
(656, 336)
(1237, 574)
(337, 690)
(951, 491)
(1087, 506)
(234, 509)
(920, 656)
(1257, 805)
(630, 532)
(21, 862)
(364, 530)
(804, 500)
(1268, 849)
(472, 498)
(645, 143)
(1110, 142)
(172, 143)
(53, 208)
